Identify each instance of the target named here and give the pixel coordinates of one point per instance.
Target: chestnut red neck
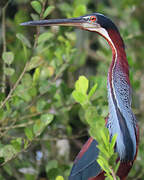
(118, 51)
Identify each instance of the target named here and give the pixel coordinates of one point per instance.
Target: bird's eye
(92, 18)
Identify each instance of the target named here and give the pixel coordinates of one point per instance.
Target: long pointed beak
(56, 22)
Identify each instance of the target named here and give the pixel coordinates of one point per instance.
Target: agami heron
(121, 120)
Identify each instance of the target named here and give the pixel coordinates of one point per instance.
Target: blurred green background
(42, 128)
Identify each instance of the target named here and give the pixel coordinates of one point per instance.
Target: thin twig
(18, 125)
(4, 44)
(113, 174)
(14, 87)
(2, 134)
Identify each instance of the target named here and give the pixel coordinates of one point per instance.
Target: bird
(121, 119)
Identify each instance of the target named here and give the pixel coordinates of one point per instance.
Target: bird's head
(94, 22)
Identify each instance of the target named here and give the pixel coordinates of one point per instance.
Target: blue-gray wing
(85, 165)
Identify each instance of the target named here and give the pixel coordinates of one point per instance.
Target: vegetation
(53, 87)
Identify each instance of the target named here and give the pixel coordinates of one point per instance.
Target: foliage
(39, 67)
(107, 157)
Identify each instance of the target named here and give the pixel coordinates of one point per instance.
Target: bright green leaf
(59, 178)
(48, 11)
(82, 84)
(113, 141)
(103, 150)
(92, 91)
(8, 57)
(79, 97)
(79, 10)
(36, 6)
(36, 76)
(117, 166)
(100, 162)
(105, 163)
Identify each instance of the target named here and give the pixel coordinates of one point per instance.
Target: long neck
(121, 120)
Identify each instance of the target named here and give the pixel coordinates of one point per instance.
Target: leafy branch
(14, 87)
(107, 156)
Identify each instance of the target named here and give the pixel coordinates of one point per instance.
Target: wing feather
(85, 165)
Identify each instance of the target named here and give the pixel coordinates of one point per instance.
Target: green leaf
(38, 128)
(27, 81)
(91, 115)
(51, 164)
(40, 124)
(8, 57)
(9, 71)
(82, 84)
(92, 91)
(59, 178)
(48, 11)
(79, 97)
(117, 166)
(34, 16)
(22, 92)
(105, 163)
(113, 141)
(26, 143)
(17, 143)
(101, 163)
(36, 76)
(105, 137)
(45, 37)
(23, 40)
(103, 150)
(36, 6)
(112, 159)
(79, 10)
(32, 91)
(8, 152)
(29, 133)
(34, 62)
(47, 118)
(40, 105)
